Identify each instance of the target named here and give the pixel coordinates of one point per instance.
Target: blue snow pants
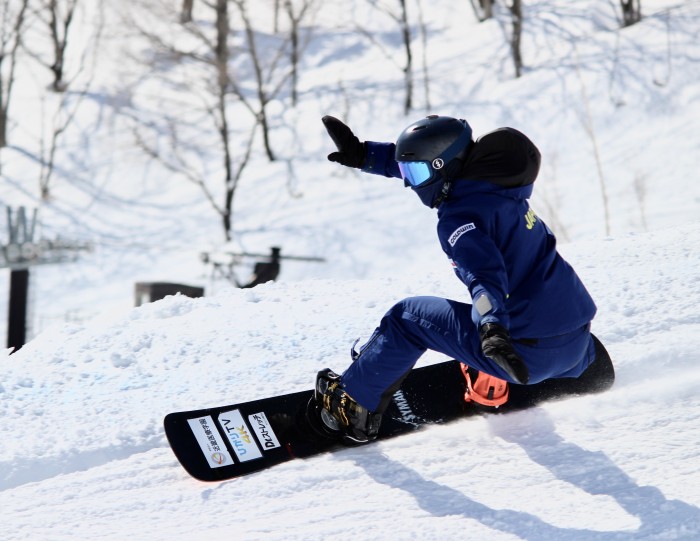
(417, 324)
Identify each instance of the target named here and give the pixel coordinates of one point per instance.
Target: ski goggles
(415, 173)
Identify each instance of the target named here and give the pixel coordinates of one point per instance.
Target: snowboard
(219, 443)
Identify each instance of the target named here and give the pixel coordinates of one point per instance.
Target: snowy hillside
(616, 114)
(84, 456)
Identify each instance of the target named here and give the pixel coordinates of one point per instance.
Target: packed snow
(83, 452)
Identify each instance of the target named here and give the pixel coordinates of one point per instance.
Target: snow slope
(83, 455)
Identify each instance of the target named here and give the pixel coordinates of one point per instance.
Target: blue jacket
(499, 248)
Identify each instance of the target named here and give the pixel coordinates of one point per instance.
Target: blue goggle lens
(415, 173)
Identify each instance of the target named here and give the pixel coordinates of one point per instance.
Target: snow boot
(486, 391)
(339, 415)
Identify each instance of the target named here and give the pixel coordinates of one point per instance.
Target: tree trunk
(186, 13)
(3, 127)
(59, 27)
(221, 48)
(262, 95)
(10, 38)
(221, 54)
(408, 69)
(294, 52)
(631, 12)
(516, 10)
(483, 9)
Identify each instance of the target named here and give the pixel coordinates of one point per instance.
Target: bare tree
(401, 18)
(263, 61)
(408, 69)
(221, 55)
(57, 15)
(216, 67)
(176, 129)
(483, 9)
(276, 16)
(12, 21)
(49, 144)
(186, 11)
(296, 16)
(59, 107)
(631, 12)
(263, 94)
(424, 58)
(516, 10)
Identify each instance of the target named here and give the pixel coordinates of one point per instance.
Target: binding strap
(484, 390)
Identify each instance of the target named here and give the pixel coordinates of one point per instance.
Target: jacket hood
(504, 157)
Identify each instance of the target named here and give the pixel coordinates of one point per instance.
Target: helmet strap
(444, 192)
(450, 171)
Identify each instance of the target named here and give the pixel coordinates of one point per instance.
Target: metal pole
(17, 315)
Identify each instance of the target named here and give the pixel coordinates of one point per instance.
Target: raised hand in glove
(351, 152)
(496, 345)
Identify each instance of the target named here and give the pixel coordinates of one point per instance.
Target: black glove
(351, 152)
(496, 345)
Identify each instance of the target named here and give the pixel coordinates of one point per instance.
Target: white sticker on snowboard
(239, 435)
(210, 441)
(263, 430)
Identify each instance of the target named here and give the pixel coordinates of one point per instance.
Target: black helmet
(428, 153)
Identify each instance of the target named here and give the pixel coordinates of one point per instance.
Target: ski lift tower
(19, 253)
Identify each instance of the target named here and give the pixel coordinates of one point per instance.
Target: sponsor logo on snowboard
(210, 441)
(404, 408)
(238, 434)
(219, 458)
(263, 430)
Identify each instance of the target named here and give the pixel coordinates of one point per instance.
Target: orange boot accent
(485, 390)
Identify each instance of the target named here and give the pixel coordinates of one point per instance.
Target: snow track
(620, 465)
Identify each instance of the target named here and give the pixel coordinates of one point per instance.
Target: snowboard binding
(485, 392)
(333, 414)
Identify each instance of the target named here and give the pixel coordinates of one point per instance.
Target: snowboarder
(529, 319)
